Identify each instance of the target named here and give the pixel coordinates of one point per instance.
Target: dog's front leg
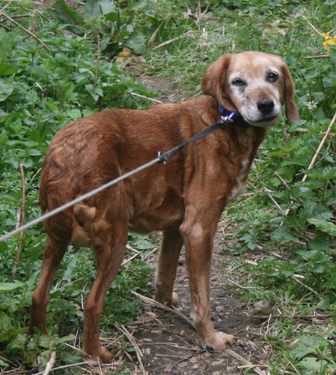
(198, 231)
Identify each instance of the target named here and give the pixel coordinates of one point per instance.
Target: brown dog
(183, 198)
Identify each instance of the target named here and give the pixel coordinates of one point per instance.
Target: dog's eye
(238, 82)
(272, 77)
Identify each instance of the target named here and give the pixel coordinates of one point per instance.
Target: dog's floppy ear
(292, 113)
(213, 83)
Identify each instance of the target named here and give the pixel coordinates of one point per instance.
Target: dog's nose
(265, 106)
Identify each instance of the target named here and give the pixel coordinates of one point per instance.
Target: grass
(41, 90)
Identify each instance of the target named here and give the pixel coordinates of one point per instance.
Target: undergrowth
(87, 59)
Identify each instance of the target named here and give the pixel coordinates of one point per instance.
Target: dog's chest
(240, 181)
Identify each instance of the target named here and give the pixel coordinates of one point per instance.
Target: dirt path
(169, 345)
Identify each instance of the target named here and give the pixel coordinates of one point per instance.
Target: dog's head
(255, 84)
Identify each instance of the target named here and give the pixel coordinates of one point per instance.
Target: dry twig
(164, 307)
(310, 317)
(156, 32)
(185, 35)
(242, 359)
(51, 363)
(268, 192)
(156, 101)
(304, 285)
(65, 366)
(130, 338)
(25, 30)
(332, 123)
(97, 61)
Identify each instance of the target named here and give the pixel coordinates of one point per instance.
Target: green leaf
(69, 16)
(7, 69)
(3, 247)
(325, 226)
(136, 42)
(9, 287)
(313, 364)
(70, 270)
(5, 91)
(2, 363)
(92, 9)
(18, 342)
(144, 245)
(307, 344)
(5, 322)
(107, 7)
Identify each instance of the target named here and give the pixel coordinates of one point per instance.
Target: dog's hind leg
(109, 254)
(166, 267)
(52, 256)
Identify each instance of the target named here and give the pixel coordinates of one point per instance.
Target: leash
(226, 117)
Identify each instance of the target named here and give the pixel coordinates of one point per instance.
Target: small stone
(262, 305)
(219, 309)
(217, 363)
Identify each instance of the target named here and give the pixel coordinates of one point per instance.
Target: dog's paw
(174, 300)
(218, 341)
(103, 355)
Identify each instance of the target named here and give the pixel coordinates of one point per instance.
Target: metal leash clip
(227, 116)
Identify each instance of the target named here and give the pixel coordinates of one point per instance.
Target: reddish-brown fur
(183, 198)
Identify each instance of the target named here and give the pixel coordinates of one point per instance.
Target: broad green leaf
(70, 270)
(140, 5)
(107, 7)
(18, 342)
(92, 9)
(144, 245)
(112, 16)
(3, 247)
(2, 363)
(5, 91)
(69, 16)
(7, 69)
(9, 287)
(313, 364)
(325, 226)
(307, 344)
(136, 42)
(5, 322)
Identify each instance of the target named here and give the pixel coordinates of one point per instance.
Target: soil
(169, 345)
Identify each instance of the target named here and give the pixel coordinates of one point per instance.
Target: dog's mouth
(265, 122)
(268, 121)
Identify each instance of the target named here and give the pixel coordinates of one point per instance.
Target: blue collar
(234, 118)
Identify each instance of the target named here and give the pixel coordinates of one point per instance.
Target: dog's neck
(237, 119)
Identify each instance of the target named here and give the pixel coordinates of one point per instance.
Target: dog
(184, 198)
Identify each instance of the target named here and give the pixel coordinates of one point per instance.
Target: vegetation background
(70, 60)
